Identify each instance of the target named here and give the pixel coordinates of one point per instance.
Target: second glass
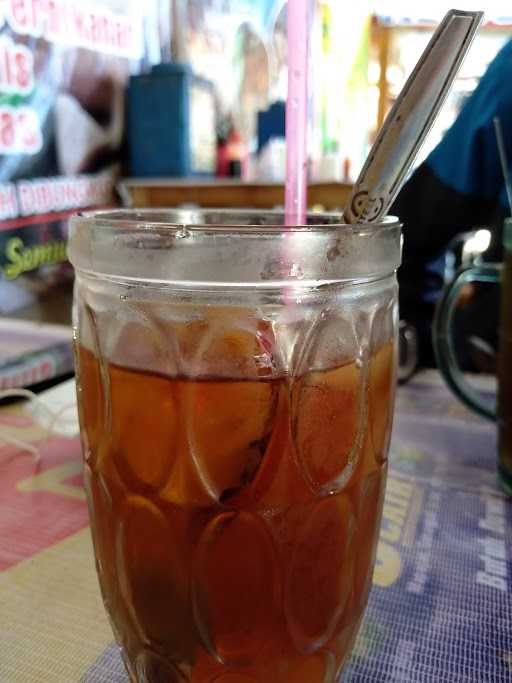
(236, 385)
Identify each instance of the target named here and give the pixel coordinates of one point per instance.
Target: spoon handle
(411, 117)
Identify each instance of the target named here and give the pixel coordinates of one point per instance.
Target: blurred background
(107, 105)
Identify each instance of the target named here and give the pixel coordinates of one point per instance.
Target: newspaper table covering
(441, 604)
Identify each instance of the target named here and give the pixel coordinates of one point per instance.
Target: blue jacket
(459, 187)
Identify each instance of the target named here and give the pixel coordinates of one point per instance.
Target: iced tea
(235, 518)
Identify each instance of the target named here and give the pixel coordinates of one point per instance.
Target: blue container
(171, 123)
(271, 123)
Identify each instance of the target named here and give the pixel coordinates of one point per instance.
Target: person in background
(458, 188)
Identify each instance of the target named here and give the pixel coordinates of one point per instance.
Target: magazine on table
(32, 352)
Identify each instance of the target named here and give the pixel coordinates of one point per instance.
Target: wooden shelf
(222, 194)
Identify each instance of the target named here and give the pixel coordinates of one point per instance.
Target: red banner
(63, 69)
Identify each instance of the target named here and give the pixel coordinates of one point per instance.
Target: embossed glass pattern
(235, 433)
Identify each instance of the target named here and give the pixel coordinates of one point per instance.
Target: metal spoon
(411, 117)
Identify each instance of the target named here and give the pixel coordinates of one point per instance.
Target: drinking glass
(499, 410)
(235, 382)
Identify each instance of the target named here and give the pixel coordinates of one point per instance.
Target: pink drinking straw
(295, 198)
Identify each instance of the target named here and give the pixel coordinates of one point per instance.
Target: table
(441, 604)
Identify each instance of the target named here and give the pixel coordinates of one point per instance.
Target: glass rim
(241, 221)
(230, 247)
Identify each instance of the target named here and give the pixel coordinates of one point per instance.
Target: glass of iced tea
(236, 384)
(499, 410)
